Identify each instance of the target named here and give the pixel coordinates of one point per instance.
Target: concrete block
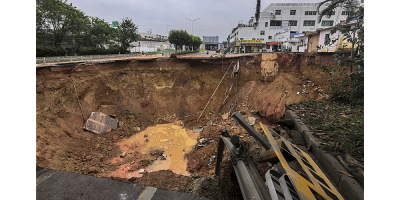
(100, 123)
(289, 114)
(331, 166)
(348, 186)
(269, 69)
(269, 56)
(299, 126)
(350, 189)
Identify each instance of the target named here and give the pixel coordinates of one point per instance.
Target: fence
(82, 58)
(61, 59)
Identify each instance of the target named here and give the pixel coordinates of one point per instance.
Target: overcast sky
(217, 17)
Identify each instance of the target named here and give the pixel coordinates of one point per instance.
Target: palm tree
(349, 5)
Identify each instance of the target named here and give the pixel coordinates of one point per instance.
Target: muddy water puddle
(166, 143)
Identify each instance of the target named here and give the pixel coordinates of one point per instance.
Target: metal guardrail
(61, 59)
(81, 58)
(298, 179)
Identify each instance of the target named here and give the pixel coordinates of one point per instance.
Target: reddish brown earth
(140, 93)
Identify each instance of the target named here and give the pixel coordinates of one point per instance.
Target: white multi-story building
(278, 23)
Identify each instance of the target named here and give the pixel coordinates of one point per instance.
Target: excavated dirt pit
(159, 103)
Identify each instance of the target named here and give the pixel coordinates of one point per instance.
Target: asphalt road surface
(54, 185)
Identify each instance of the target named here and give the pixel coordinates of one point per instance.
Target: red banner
(274, 43)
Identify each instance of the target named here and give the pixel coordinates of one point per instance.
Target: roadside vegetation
(339, 123)
(64, 30)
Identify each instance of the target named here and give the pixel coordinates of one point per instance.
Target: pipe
(214, 92)
(239, 119)
(251, 185)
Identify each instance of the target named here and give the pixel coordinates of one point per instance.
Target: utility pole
(192, 22)
(167, 29)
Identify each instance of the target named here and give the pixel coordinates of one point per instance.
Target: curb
(348, 187)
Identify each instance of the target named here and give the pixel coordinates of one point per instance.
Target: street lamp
(199, 30)
(192, 22)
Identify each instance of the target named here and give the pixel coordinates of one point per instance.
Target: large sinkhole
(158, 104)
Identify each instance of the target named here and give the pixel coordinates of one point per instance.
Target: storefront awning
(274, 43)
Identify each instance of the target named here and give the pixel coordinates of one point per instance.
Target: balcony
(275, 27)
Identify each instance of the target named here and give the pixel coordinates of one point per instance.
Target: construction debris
(100, 123)
(197, 129)
(225, 116)
(251, 121)
(211, 161)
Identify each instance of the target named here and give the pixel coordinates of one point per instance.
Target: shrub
(49, 51)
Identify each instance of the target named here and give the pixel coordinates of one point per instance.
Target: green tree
(351, 87)
(195, 42)
(58, 18)
(126, 33)
(95, 33)
(179, 38)
(40, 22)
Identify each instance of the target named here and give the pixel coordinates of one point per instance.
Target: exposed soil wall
(140, 93)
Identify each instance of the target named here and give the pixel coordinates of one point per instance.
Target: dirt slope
(140, 93)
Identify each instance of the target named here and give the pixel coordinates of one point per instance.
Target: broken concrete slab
(331, 165)
(297, 137)
(350, 188)
(197, 129)
(100, 123)
(251, 120)
(225, 116)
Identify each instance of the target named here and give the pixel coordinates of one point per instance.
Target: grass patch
(339, 126)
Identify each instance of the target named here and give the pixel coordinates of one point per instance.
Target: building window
(362, 1)
(309, 23)
(346, 12)
(327, 39)
(292, 12)
(276, 23)
(277, 12)
(310, 13)
(262, 32)
(327, 23)
(269, 37)
(292, 23)
(266, 24)
(241, 38)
